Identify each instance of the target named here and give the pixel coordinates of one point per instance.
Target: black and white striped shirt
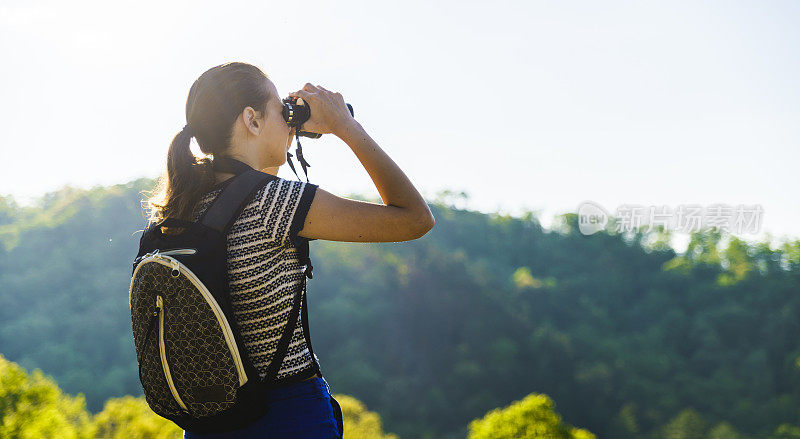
(264, 271)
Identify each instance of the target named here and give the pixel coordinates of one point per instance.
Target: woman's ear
(250, 118)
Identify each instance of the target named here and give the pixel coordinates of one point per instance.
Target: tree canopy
(619, 330)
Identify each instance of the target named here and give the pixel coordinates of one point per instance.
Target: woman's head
(233, 110)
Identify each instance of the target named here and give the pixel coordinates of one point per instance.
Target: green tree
(625, 424)
(724, 430)
(129, 417)
(786, 431)
(688, 424)
(32, 406)
(532, 417)
(360, 423)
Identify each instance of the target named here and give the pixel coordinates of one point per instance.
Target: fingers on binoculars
(332, 93)
(300, 93)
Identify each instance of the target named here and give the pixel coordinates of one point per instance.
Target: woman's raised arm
(403, 216)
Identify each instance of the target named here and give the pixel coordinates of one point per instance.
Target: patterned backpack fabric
(193, 366)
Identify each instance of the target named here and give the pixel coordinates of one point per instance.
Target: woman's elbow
(422, 225)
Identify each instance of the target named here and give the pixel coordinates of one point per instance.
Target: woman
(234, 112)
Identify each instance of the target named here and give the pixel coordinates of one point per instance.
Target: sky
(524, 105)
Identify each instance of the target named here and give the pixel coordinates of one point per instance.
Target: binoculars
(296, 112)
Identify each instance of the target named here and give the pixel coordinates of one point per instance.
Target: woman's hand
(404, 214)
(329, 114)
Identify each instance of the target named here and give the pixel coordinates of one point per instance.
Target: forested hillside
(628, 339)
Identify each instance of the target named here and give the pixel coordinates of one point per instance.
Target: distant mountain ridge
(620, 331)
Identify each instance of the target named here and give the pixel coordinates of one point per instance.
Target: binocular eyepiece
(296, 112)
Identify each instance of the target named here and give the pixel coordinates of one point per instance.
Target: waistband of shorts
(313, 386)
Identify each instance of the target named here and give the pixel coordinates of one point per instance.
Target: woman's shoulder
(275, 195)
(284, 191)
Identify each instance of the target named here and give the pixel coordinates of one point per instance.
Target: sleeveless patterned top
(264, 272)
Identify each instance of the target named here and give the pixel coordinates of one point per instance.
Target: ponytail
(180, 159)
(187, 178)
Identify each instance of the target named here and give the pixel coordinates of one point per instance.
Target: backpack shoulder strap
(283, 343)
(229, 204)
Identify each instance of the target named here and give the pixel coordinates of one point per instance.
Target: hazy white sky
(537, 105)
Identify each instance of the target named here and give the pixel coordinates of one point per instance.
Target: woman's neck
(219, 177)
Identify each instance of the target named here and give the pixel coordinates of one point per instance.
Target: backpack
(193, 366)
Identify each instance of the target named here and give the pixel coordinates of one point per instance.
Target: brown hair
(215, 101)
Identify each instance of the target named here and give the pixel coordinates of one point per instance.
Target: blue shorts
(300, 410)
